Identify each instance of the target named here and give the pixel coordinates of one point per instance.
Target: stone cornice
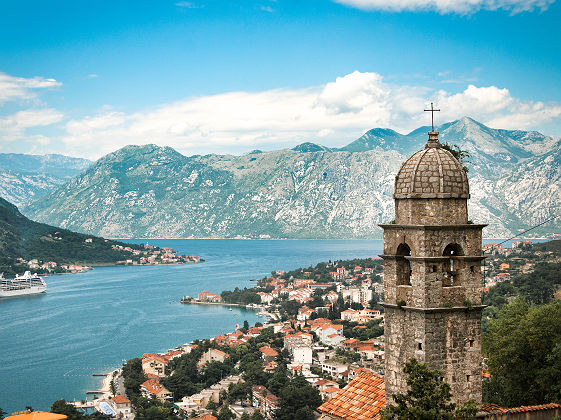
(432, 227)
(435, 310)
(446, 258)
(414, 196)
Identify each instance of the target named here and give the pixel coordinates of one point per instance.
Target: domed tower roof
(432, 173)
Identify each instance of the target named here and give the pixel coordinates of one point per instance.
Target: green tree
(427, 398)
(225, 413)
(255, 416)
(298, 400)
(155, 412)
(134, 376)
(523, 347)
(278, 380)
(62, 407)
(462, 155)
(239, 392)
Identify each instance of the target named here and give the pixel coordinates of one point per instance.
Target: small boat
(26, 284)
(229, 309)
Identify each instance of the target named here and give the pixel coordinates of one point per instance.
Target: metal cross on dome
(432, 111)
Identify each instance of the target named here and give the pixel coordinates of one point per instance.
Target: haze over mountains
(27, 177)
(310, 191)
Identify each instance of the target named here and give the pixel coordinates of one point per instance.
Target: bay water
(51, 344)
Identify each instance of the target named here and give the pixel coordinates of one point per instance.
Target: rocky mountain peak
(151, 191)
(308, 147)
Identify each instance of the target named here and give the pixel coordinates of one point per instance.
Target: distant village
(148, 255)
(503, 263)
(152, 255)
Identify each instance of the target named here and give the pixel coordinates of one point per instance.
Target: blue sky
(87, 77)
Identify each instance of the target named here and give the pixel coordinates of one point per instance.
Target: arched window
(403, 265)
(452, 250)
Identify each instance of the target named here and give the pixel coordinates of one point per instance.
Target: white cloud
(333, 114)
(449, 6)
(188, 5)
(13, 127)
(353, 92)
(16, 88)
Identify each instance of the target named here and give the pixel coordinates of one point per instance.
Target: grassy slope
(21, 237)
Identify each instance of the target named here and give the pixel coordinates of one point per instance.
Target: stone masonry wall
(431, 211)
(447, 340)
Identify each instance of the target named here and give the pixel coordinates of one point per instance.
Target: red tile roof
(155, 357)
(38, 415)
(268, 351)
(361, 399)
(220, 352)
(153, 386)
(120, 399)
(205, 417)
(323, 381)
(495, 409)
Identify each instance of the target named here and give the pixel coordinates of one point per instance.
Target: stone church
(432, 292)
(432, 275)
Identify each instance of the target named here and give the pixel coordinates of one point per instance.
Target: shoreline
(104, 390)
(91, 266)
(239, 305)
(292, 239)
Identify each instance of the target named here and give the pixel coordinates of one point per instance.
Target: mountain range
(310, 191)
(24, 178)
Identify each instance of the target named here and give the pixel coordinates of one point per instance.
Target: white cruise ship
(27, 284)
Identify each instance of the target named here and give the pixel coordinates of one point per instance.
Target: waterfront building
(153, 389)
(206, 296)
(154, 364)
(121, 405)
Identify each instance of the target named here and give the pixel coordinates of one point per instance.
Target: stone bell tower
(432, 275)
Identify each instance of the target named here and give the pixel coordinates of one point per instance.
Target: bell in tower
(432, 275)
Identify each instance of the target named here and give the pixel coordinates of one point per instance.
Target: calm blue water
(52, 343)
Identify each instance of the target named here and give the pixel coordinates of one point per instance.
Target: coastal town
(324, 331)
(132, 255)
